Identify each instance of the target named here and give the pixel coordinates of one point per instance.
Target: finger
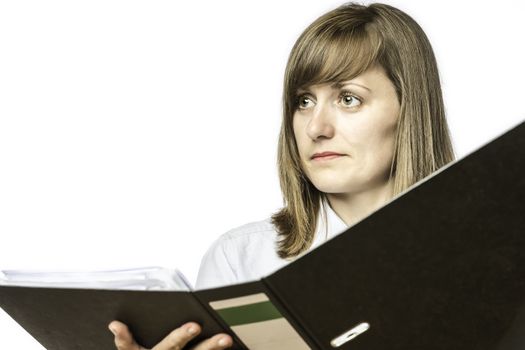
(178, 338)
(218, 341)
(123, 337)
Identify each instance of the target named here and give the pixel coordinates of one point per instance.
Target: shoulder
(263, 229)
(252, 238)
(243, 253)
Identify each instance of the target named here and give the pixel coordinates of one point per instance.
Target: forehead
(333, 58)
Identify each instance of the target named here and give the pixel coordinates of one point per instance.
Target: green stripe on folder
(251, 313)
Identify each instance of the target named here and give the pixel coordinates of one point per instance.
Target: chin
(332, 186)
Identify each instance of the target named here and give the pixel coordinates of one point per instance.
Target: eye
(303, 101)
(349, 100)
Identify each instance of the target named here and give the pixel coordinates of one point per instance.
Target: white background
(134, 133)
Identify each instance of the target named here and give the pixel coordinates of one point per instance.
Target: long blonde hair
(339, 46)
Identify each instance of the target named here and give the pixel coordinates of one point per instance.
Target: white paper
(145, 278)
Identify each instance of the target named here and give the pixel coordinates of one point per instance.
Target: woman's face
(345, 132)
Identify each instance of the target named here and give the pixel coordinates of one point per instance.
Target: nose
(320, 124)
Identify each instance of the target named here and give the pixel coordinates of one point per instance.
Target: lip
(326, 155)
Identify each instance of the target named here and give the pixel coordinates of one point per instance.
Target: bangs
(330, 54)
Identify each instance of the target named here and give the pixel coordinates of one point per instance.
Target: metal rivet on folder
(349, 335)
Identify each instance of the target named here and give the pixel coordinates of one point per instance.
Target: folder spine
(217, 319)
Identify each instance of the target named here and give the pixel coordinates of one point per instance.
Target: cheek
(299, 135)
(385, 150)
(295, 128)
(382, 149)
(389, 130)
(374, 141)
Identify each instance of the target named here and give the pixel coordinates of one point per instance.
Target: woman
(363, 120)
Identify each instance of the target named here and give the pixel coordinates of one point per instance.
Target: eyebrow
(339, 85)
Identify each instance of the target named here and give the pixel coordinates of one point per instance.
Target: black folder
(440, 267)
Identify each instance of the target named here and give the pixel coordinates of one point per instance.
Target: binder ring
(350, 334)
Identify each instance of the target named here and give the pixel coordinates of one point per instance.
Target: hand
(176, 340)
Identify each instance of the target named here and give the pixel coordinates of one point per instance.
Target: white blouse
(248, 252)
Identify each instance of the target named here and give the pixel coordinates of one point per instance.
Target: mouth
(326, 156)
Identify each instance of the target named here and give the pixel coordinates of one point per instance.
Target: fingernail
(192, 330)
(223, 342)
(113, 330)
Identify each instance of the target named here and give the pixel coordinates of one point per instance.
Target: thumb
(123, 337)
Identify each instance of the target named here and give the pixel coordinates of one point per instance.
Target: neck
(352, 207)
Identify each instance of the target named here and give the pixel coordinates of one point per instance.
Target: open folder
(440, 267)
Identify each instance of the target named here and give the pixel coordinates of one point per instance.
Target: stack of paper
(147, 278)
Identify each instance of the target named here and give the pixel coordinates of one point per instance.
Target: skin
(357, 119)
(176, 340)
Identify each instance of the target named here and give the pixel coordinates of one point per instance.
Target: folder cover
(439, 267)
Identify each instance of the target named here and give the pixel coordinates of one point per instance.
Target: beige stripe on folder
(240, 301)
(275, 335)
